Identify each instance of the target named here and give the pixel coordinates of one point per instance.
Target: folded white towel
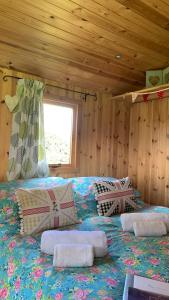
(128, 219)
(73, 255)
(97, 239)
(149, 228)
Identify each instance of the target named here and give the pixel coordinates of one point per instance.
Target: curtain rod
(5, 78)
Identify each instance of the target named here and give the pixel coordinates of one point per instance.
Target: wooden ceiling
(77, 41)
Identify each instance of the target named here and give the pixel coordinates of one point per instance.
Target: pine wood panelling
(7, 88)
(78, 40)
(104, 138)
(167, 158)
(142, 25)
(155, 12)
(103, 131)
(121, 135)
(149, 151)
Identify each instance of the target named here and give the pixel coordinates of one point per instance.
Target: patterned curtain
(27, 149)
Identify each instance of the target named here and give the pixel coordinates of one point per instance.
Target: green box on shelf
(166, 75)
(154, 78)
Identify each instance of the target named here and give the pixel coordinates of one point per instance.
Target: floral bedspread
(26, 273)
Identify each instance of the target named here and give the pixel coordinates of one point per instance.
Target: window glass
(58, 124)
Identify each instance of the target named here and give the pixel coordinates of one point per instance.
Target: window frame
(72, 167)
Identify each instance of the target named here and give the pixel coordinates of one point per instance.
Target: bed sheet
(26, 273)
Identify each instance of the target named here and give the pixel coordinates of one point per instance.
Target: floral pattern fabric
(26, 273)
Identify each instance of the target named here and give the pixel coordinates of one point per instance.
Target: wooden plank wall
(103, 136)
(5, 125)
(149, 150)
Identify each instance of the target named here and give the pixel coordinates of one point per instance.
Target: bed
(26, 273)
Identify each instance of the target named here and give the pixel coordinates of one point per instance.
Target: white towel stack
(73, 255)
(145, 224)
(149, 228)
(71, 242)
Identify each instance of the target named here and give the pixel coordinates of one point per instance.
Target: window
(60, 124)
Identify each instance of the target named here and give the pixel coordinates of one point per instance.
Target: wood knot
(154, 141)
(115, 136)
(161, 178)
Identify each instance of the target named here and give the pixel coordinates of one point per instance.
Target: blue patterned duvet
(26, 273)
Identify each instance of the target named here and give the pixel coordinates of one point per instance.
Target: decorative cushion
(42, 209)
(114, 197)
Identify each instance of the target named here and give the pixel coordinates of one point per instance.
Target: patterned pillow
(114, 197)
(42, 209)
